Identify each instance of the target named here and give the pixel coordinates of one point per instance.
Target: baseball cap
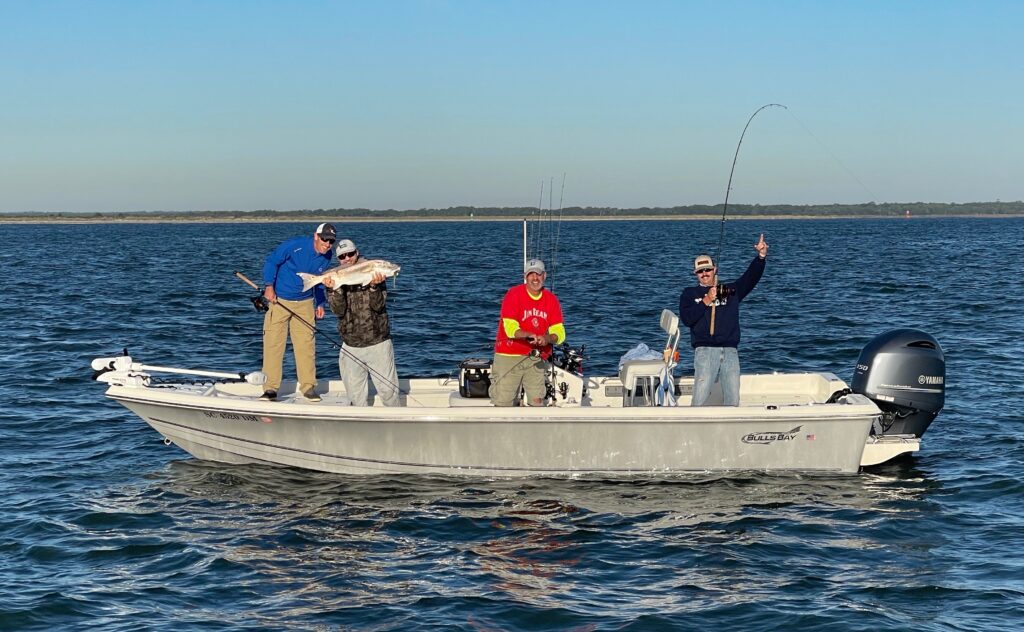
(344, 246)
(326, 232)
(702, 262)
(534, 265)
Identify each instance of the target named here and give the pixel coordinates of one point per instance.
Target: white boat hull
(486, 441)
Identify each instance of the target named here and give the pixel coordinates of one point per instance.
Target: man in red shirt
(531, 321)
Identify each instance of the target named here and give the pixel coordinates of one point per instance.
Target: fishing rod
(551, 232)
(725, 206)
(728, 187)
(537, 222)
(261, 304)
(554, 253)
(548, 252)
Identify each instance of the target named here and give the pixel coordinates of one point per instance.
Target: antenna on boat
(725, 207)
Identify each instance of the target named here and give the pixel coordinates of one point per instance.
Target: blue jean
(716, 364)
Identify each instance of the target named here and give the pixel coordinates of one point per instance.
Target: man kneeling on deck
(531, 321)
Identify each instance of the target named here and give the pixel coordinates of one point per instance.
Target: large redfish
(357, 274)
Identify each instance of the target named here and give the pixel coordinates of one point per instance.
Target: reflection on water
(658, 545)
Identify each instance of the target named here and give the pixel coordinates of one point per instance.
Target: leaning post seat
(641, 378)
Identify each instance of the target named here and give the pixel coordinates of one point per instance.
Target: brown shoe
(311, 396)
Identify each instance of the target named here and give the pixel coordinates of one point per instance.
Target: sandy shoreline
(35, 219)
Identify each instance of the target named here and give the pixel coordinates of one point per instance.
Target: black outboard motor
(904, 372)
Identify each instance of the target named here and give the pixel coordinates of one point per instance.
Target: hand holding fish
(372, 271)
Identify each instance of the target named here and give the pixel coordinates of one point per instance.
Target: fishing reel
(568, 358)
(260, 303)
(565, 383)
(725, 291)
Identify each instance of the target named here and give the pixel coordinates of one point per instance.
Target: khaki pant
(277, 325)
(508, 373)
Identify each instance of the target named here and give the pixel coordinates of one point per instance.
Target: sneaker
(269, 395)
(311, 396)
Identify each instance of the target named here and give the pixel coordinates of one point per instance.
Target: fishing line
(833, 156)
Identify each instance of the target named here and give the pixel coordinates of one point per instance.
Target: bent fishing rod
(262, 301)
(725, 206)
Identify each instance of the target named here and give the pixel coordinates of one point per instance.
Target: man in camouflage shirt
(366, 351)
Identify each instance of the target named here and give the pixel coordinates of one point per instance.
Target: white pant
(378, 362)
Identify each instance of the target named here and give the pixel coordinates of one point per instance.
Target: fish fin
(308, 280)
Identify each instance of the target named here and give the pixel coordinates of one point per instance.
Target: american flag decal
(810, 437)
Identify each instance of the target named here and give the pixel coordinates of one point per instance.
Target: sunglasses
(347, 255)
(705, 271)
(326, 241)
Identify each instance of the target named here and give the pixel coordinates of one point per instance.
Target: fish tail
(308, 280)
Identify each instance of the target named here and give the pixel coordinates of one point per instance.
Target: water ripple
(107, 529)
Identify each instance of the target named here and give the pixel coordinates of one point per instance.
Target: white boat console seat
(633, 369)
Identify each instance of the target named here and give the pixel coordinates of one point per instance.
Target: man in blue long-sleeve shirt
(714, 347)
(284, 289)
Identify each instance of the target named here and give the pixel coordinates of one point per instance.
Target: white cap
(344, 246)
(534, 265)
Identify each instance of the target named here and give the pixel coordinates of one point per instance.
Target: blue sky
(177, 106)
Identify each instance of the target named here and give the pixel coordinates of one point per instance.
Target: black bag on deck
(474, 377)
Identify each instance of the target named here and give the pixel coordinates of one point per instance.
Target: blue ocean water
(105, 528)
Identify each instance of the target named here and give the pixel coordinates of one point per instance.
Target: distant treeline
(869, 209)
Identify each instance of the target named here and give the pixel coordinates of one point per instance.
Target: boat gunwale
(517, 415)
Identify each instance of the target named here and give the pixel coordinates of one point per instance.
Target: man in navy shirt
(714, 324)
(284, 290)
